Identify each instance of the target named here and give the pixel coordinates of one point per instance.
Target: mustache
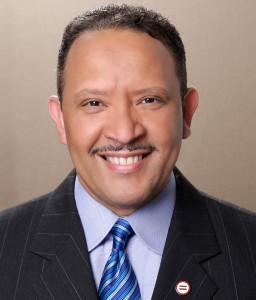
(128, 147)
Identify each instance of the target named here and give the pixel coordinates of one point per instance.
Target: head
(123, 105)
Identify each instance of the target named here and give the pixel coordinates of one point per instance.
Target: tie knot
(121, 231)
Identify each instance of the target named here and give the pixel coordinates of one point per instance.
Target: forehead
(117, 41)
(118, 55)
(101, 36)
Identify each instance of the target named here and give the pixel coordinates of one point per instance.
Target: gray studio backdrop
(219, 37)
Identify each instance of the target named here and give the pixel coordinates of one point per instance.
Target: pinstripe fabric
(210, 244)
(119, 281)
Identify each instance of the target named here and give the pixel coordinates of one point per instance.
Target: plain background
(220, 40)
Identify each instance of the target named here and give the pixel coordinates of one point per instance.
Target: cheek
(165, 130)
(80, 133)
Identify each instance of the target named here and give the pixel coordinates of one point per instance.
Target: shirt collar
(150, 223)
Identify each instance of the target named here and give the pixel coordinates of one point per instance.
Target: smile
(124, 161)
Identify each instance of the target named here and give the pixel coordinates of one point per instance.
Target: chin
(125, 207)
(129, 201)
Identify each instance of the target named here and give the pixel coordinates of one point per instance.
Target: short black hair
(124, 16)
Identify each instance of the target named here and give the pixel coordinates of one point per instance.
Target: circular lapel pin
(183, 288)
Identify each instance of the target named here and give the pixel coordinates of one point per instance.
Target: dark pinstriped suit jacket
(210, 244)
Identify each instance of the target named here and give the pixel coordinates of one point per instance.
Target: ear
(55, 110)
(189, 107)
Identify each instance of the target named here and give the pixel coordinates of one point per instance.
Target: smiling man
(125, 224)
(121, 115)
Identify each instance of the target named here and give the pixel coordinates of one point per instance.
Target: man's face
(122, 116)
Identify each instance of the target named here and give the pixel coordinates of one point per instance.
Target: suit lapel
(61, 245)
(60, 242)
(190, 243)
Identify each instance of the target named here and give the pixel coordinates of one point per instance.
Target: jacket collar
(190, 243)
(61, 243)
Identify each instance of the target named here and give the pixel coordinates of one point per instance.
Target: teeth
(111, 159)
(122, 161)
(129, 160)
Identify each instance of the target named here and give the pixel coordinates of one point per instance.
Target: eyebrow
(143, 91)
(153, 90)
(89, 92)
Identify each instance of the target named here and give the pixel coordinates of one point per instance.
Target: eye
(92, 106)
(149, 100)
(152, 100)
(93, 103)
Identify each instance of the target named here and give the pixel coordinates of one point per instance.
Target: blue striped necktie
(119, 281)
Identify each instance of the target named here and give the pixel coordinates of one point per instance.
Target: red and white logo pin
(183, 288)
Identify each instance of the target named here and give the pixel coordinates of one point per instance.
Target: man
(123, 108)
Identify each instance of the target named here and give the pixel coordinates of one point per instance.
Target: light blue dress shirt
(144, 249)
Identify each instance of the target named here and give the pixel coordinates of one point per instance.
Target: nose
(124, 125)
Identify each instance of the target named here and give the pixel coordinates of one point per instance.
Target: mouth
(124, 160)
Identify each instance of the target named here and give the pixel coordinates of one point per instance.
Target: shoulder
(234, 226)
(16, 221)
(22, 210)
(228, 210)
(217, 208)
(31, 211)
